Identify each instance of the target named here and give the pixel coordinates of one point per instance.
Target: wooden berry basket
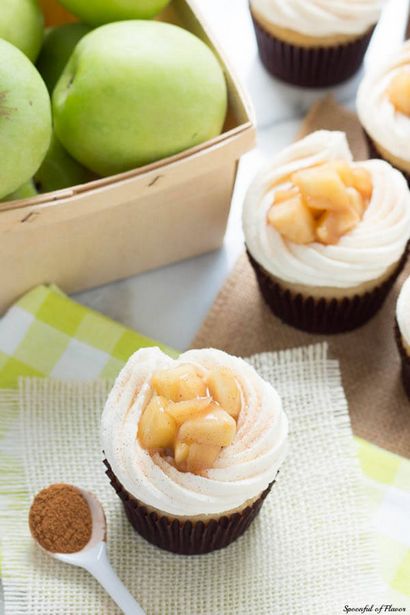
(118, 226)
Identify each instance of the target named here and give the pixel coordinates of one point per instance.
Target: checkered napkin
(388, 483)
(47, 334)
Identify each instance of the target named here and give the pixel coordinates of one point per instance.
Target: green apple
(25, 119)
(60, 170)
(58, 46)
(98, 12)
(24, 192)
(22, 25)
(137, 91)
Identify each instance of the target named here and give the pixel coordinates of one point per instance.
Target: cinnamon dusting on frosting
(362, 255)
(241, 471)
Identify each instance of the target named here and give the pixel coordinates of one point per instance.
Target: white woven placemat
(308, 553)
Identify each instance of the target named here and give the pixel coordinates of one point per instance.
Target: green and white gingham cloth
(48, 334)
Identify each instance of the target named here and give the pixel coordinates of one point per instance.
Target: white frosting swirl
(321, 18)
(363, 254)
(385, 125)
(403, 311)
(242, 471)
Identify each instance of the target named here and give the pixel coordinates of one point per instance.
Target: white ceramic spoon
(93, 558)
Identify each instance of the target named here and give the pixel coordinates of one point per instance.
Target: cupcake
(326, 236)
(383, 105)
(314, 43)
(192, 446)
(403, 333)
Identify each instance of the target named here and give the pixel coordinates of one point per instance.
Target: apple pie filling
(190, 417)
(399, 92)
(321, 203)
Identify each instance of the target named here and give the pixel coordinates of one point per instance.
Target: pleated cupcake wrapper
(320, 315)
(405, 360)
(313, 67)
(374, 153)
(185, 537)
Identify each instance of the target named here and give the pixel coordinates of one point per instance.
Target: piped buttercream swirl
(384, 124)
(362, 255)
(321, 18)
(242, 471)
(403, 311)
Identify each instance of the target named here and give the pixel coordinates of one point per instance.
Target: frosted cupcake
(326, 236)
(314, 43)
(192, 446)
(403, 333)
(383, 105)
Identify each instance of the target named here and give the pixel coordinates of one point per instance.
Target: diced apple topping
(191, 416)
(293, 220)
(216, 428)
(181, 453)
(224, 388)
(179, 383)
(344, 170)
(362, 181)
(399, 92)
(322, 188)
(157, 429)
(201, 456)
(354, 177)
(356, 202)
(323, 203)
(183, 410)
(285, 195)
(334, 224)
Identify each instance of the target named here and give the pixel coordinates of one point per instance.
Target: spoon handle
(102, 570)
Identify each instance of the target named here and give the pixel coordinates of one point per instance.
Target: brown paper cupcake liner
(185, 537)
(313, 67)
(405, 360)
(320, 315)
(374, 153)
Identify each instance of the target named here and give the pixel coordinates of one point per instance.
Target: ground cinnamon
(60, 519)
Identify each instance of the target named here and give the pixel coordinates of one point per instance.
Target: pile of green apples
(114, 91)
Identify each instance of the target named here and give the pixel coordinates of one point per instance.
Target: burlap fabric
(302, 555)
